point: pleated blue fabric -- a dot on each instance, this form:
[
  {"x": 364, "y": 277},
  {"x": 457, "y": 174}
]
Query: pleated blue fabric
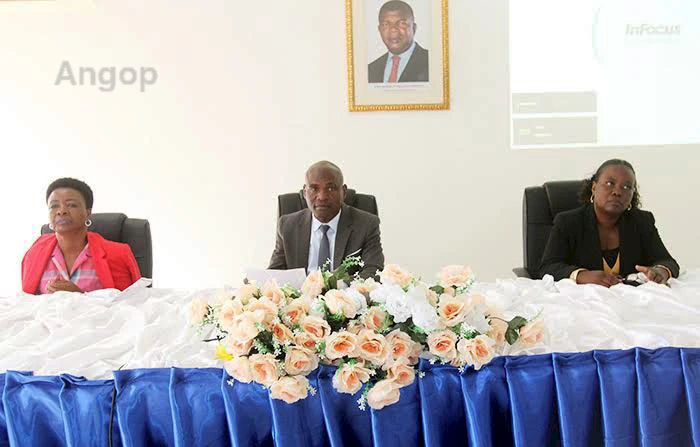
[
  {"x": 635, "y": 397},
  {"x": 85, "y": 406},
  {"x": 197, "y": 408}
]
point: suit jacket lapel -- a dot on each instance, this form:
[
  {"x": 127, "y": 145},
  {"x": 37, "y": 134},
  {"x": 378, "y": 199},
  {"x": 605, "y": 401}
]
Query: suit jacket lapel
[
  {"x": 593, "y": 253},
  {"x": 304, "y": 232},
  {"x": 627, "y": 250},
  {"x": 341, "y": 238}
]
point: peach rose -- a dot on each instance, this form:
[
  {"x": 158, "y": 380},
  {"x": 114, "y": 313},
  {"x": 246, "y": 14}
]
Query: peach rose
[
  {"x": 402, "y": 374},
  {"x": 477, "y": 351},
  {"x": 290, "y": 389},
  {"x": 443, "y": 344},
  {"x": 452, "y": 310},
  {"x": 236, "y": 348},
  {"x": 341, "y": 344},
  {"x": 316, "y": 327},
  {"x": 313, "y": 285},
  {"x": 271, "y": 291},
  {"x": 532, "y": 333},
  {"x": 246, "y": 292},
  {"x": 297, "y": 309},
  {"x": 372, "y": 346},
  {"x": 455, "y": 276},
  {"x": 449, "y": 291},
  {"x": 300, "y": 360},
  {"x": 400, "y": 344},
  {"x": 267, "y": 306},
  {"x": 282, "y": 334},
  {"x": 350, "y": 378},
  {"x": 374, "y": 318},
  {"x": 354, "y": 327},
  {"x": 366, "y": 286},
  {"x": 340, "y": 303},
  {"x": 305, "y": 340},
  {"x": 415, "y": 354},
  {"x": 197, "y": 310},
  {"x": 228, "y": 311},
  {"x": 498, "y": 330},
  {"x": 264, "y": 368},
  {"x": 383, "y": 393},
  {"x": 393, "y": 274},
  {"x": 244, "y": 327},
  {"x": 239, "y": 369}
]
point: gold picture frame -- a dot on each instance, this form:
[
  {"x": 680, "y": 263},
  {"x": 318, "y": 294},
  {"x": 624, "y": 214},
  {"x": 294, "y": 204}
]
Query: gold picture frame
[{"x": 366, "y": 92}]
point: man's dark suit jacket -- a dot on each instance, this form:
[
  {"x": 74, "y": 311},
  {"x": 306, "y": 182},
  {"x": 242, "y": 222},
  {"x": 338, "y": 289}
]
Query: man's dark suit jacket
[
  {"x": 416, "y": 69},
  {"x": 574, "y": 243},
  {"x": 357, "y": 230}
]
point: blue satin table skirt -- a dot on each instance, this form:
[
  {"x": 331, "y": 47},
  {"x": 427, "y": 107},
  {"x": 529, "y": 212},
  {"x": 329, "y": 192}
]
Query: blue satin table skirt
[{"x": 614, "y": 398}]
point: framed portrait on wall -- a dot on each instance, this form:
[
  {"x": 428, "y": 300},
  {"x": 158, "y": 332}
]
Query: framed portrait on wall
[{"x": 398, "y": 56}]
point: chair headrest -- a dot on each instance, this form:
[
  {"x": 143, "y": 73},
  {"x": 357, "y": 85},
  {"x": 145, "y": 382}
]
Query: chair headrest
[{"x": 562, "y": 195}]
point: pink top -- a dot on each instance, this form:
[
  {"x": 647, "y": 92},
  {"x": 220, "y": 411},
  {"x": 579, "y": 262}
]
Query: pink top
[{"x": 83, "y": 274}]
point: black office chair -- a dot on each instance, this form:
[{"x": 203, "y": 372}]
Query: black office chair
[
  {"x": 540, "y": 205},
  {"x": 294, "y": 201},
  {"x": 119, "y": 228}
]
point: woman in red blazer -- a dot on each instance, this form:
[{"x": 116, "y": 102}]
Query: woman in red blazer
[{"x": 73, "y": 259}]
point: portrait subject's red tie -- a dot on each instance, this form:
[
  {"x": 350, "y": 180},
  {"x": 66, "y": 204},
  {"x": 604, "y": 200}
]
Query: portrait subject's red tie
[{"x": 394, "y": 68}]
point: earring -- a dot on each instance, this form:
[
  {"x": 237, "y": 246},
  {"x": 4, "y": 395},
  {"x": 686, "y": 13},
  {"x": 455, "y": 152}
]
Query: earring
[
  {"x": 88, "y": 223},
  {"x": 591, "y": 198},
  {"x": 51, "y": 226},
  {"x": 629, "y": 208}
]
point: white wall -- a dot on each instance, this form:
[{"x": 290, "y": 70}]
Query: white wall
[{"x": 247, "y": 97}]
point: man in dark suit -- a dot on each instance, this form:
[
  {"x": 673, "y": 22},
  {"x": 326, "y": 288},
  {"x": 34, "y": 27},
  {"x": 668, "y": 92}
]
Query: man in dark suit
[
  {"x": 406, "y": 61},
  {"x": 328, "y": 231}
]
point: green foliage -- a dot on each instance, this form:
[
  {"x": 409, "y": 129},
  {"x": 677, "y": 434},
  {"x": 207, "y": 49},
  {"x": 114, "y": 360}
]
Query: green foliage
[{"x": 513, "y": 331}]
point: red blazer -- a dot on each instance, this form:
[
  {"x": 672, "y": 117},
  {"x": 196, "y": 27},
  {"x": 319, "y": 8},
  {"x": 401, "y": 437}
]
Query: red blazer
[{"x": 115, "y": 264}]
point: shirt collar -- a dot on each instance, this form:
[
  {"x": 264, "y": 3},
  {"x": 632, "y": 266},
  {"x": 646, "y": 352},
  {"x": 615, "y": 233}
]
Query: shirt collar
[{"x": 333, "y": 223}]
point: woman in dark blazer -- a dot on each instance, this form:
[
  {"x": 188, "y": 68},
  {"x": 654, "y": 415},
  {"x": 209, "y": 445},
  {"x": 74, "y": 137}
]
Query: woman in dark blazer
[{"x": 609, "y": 237}]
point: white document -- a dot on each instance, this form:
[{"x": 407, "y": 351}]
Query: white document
[{"x": 293, "y": 277}]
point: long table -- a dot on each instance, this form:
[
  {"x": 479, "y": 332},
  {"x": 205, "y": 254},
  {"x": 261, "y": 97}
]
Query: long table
[{"x": 606, "y": 374}]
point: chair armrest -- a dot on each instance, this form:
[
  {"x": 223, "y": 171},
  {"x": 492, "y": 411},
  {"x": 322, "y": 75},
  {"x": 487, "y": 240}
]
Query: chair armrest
[{"x": 521, "y": 272}]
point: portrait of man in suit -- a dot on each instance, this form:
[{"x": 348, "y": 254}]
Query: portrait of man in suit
[
  {"x": 328, "y": 231},
  {"x": 405, "y": 60}
]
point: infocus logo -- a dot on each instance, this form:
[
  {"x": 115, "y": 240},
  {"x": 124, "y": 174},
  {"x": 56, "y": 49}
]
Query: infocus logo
[
  {"x": 653, "y": 30},
  {"x": 107, "y": 77}
]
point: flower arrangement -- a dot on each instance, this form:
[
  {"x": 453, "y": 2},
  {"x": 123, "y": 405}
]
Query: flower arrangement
[{"x": 373, "y": 331}]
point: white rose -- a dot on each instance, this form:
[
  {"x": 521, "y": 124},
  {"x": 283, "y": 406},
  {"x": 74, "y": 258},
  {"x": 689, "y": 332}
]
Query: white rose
[
  {"x": 358, "y": 298},
  {"x": 477, "y": 320},
  {"x": 397, "y": 305},
  {"x": 425, "y": 317}
]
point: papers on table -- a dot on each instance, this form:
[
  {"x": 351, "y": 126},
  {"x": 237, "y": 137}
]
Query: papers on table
[{"x": 293, "y": 277}]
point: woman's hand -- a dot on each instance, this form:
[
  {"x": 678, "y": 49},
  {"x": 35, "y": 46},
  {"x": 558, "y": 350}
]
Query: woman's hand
[
  {"x": 597, "y": 277},
  {"x": 657, "y": 274},
  {"x": 61, "y": 285}
]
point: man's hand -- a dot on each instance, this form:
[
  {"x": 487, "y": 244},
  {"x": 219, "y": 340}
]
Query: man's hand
[
  {"x": 657, "y": 274},
  {"x": 597, "y": 277},
  {"x": 61, "y": 285}
]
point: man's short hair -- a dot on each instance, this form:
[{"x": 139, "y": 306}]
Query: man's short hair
[
  {"x": 396, "y": 5},
  {"x": 325, "y": 164}
]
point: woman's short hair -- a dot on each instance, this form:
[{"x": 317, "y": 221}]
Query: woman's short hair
[
  {"x": 78, "y": 185},
  {"x": 585, "y": 193}
]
